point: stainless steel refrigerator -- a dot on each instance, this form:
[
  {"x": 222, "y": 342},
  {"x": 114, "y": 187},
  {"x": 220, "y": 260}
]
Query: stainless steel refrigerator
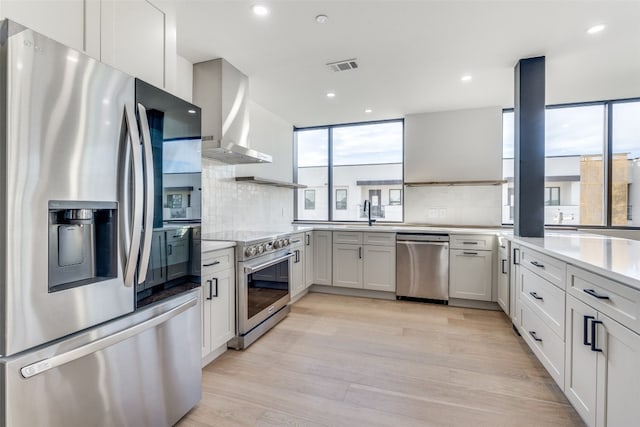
[{"x": 77, "y": 196}]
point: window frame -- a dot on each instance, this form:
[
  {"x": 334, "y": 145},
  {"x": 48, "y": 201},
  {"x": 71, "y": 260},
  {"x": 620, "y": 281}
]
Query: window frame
[
  {"x": 607, "y": 158},
  {"x": 400, "y": 201},
  {"x": 311, "y": 191},
  {"x": 346, "y": 199},
  {"x": 549, "y": 189},
  {"x": 330, "y": 166}
]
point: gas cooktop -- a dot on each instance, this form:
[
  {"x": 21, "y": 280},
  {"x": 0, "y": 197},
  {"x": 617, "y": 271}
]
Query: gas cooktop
[{"x": 246, "y": 237}]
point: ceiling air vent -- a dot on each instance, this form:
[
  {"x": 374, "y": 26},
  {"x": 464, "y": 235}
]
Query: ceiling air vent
[{"x": 346, "y": 65}]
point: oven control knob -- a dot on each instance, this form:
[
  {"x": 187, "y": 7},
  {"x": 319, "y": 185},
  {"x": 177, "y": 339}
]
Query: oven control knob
[
  {"x": 286, "y": 242},
  {"x": 260, "y": 249},
  {"x": 277, "y": 244},
  {"x": 268, "y": 246},
  {"x": 250, "y": 251}
]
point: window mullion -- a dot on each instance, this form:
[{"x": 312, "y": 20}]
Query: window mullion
[
  {"x": 608, "y": 165},
  {"x": 330, "y": 174}
]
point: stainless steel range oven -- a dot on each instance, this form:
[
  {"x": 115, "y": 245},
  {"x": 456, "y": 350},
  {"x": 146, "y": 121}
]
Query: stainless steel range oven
[{"x": 263, "y": 284}]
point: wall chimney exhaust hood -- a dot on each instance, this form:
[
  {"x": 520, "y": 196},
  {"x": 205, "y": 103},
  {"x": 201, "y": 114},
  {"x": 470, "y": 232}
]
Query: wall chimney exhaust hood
[{"x": 222, "y": 91}]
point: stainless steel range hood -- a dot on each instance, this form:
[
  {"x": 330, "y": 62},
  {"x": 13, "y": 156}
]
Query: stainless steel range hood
[{"x": 221, "y": 90}]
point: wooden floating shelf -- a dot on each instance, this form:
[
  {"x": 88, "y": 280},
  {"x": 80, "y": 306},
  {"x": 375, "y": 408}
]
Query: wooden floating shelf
[
  {"x": 456, "y": 183},
  {"x": 265, "y": 181}
]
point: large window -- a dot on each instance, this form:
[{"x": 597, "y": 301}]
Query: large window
[
  {"x": 352, "y": 164},
  {"x": 577, "y": 188}
]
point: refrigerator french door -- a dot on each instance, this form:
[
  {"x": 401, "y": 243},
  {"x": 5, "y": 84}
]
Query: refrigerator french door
[{"x": 76, "y": 227}]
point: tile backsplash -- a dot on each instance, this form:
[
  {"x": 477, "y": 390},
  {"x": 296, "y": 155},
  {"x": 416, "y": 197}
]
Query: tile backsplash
[{"x": 229, "y": 205}]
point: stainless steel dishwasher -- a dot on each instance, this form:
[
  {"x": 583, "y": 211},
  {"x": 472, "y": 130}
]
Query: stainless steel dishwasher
[{"x": 422, "y": 266}]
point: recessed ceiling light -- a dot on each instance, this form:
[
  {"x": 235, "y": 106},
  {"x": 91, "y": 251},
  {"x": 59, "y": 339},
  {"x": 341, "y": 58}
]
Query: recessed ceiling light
[
  {"x": 191, "y": 111},
  {"x": 260, "y": 10},
  {"x": 331, "y": 95},
  {"x": 596, "y": 29},
  {"x": 466, "y": 78},
  {"x": 368, "y": 110},
  {"x": 321, "y": 19}
]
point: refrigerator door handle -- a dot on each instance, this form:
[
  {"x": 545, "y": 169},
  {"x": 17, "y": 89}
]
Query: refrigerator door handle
[
  {"x": 136, "y": 230},
  {"x": 102, "y": 343},
  {"x": 148, "y": 194}
]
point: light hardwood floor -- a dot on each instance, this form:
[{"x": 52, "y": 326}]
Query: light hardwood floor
[{"x": 344, "y": 361}]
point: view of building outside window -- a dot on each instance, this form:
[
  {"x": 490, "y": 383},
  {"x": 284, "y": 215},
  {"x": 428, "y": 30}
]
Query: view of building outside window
[
  {"x": 367, "y": 165},
  {"x": 313, "y": 171},
  {"x": 626, "y": 164},
  {"x": 574, "y": 165}
]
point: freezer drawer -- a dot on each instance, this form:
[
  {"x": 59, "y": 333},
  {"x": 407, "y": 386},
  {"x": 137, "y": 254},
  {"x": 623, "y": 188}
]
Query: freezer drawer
[{"x": 139, "y": 370}]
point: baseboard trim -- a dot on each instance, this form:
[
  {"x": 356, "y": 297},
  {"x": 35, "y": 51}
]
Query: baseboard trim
[
  {"x": 469, "y": 303},
  {"x": 352, "y": 292}
]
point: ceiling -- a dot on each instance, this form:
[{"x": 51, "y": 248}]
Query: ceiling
[{"x": 412, "y": 54}]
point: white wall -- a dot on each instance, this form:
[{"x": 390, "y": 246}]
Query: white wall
[
  {"x": 453, "y": 146},
  {"x": 184, "y": 79},
  {"x": 230, "y": 205}
]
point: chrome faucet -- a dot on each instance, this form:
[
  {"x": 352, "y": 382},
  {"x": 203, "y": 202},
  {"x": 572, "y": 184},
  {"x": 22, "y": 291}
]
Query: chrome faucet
[{"x": 368, "y": 211}]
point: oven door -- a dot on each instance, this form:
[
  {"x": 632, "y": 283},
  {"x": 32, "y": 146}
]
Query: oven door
[{"x": 263, "y": 289}]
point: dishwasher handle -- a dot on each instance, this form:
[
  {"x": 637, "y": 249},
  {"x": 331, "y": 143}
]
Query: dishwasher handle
[{"x": 411, "y": 243}]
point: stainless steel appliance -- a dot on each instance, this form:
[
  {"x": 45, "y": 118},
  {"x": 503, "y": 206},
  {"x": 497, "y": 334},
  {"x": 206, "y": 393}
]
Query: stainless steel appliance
[
  {"x": 422, "y": 266},
  {"x": 75, "y": 170},
  {"x": 262, "y": 282}
]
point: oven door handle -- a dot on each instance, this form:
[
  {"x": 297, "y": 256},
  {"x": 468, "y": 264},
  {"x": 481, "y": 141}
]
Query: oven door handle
[{"x": 254, "y": 268}]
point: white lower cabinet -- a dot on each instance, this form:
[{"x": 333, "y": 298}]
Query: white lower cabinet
[
  {"x": 218, "y": 301},
  {"x": 297, "y": 263},
  {"x": 360, "y": 265},
  {"x": 322, "y": 242},
  {"x": 308, "y": 259},
  {"x": 602, "y": 367},
  {"x": 347, "y": 265},
  {"x": 470, "y": 274}
]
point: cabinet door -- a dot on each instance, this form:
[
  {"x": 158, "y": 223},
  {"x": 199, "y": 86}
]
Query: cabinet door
[
  {"x": 471, "y": 274},
  {"x": 347, "y": 265},
  {"x": 133, "y": 38},
  {"x": 580, "y": 361},
  {"x": 308, "y": 259},
  {"x": 618, "y": 374},
  {"x": 503, "y": 279},
  {"x": 177, "y": 256},
  {"x": 514, "y": 283},
  {"x": 380, "y": 268},
  {"x": 221, "y": 291},
  {"x": 322, "y": 246},
  {"x": 297, "y": 271},
  {"x": 205, "y": 317}
]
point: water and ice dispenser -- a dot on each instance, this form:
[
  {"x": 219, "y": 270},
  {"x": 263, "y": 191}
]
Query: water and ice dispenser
[{"x": 82, "y": 243}]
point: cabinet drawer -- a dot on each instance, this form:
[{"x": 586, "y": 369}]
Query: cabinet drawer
[
  {"x": 545, "y": 299},
  {"x": 297, "y": 240},
  {"x": 349, "y": 237},
  {"x": 472, "y": 241},
  {"x": 546, "y": 345},
  {"x": 380, "y": 239},
  {"x": 614, "y": 299},
  {"x": 217, "y": 261},
  {"x": 550, "y": 268}
]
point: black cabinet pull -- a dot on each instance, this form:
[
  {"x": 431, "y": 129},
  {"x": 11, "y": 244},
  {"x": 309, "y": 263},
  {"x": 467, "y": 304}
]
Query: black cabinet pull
[
  {"x": 536, "y": 296},
  {"x": 216, "y": 294},
  {"x": 308, "y": 239},
  {"x": 595, "y": 294},
  {"x": 516, "y": 256},
  {"x": 534, "y": 336},
  {"x": 469, "y": 243},
  {"x": 360, "y": 252},
  {"x": 504, "y": 266},
  {"x": 213, "y": 263},
  {"x": 210, "y": 282},
  {"x": 297, "y": 252},
  {"x": 469, "y": 253},
  {"x": 537, "y": 264},
  {"x": 585, "y": 335},
  {"x": 594, "y": 331}
]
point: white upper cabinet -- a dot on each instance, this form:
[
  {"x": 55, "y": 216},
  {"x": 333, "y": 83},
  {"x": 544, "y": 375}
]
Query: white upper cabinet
[
  {"x": 63, "y": 21},
  {"x": 133, "y": 39}
]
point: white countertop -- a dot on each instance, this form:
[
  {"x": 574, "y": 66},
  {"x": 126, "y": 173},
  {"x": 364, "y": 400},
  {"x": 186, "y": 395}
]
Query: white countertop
[
  {"x": 612, "y": 257},
  {"x": 393, "y": 228}
]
